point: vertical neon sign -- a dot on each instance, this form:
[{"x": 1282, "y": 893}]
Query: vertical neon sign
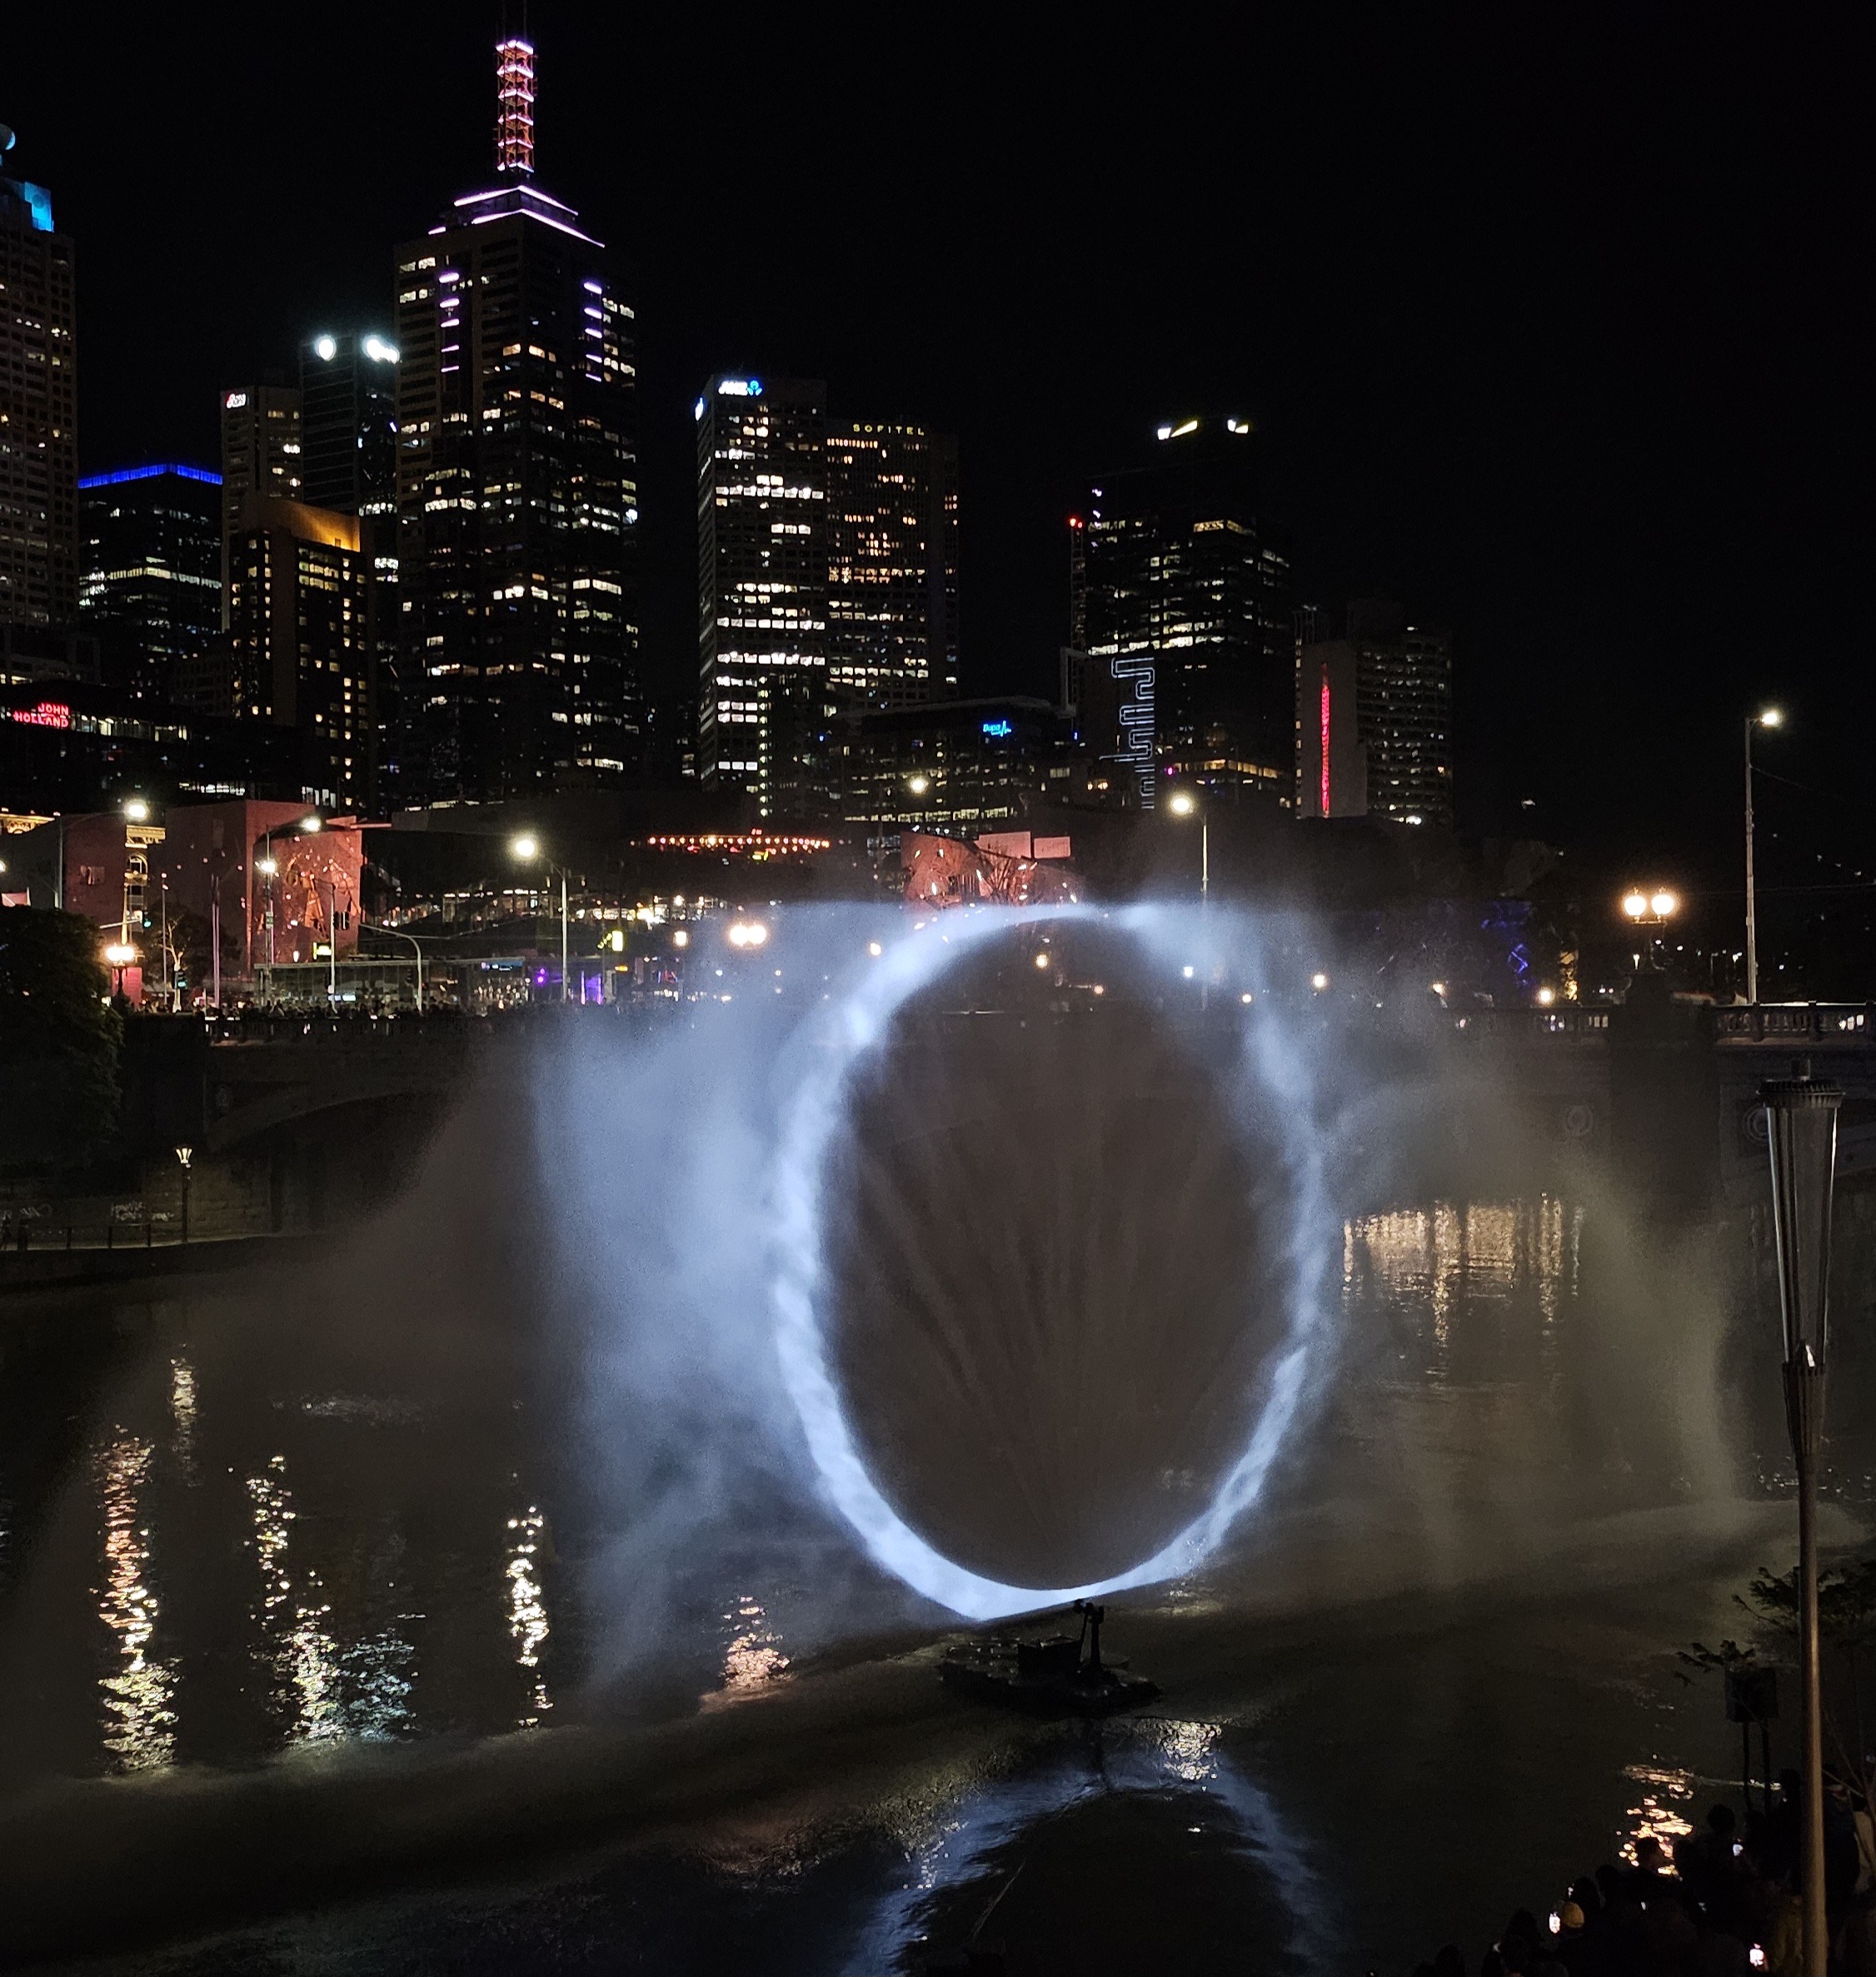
[{"x": 1325, "y": 738}]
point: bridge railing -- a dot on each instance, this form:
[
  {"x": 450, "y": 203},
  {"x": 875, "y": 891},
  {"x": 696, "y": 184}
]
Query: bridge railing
[
  {"x": 1517, "y": 1026},
  {"x": 1796, "y": 1022}
]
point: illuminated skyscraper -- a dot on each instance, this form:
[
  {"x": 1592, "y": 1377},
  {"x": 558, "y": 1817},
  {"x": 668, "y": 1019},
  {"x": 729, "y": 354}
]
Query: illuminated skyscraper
[
  {"x": 517, "y": 495},
  {"x": 152, "y": 585},
  {"x": 892, "y": 565},
  {"x": 298, "y": 646},
  {"x": 38, "y": 410},
  {"x": 261, "y": 452},
  {"x": 348, "y": 423},
  {"x": 762, "y": 565},
  {"x": 1375, "y": 720},
  {"x": 348, "y": 427},
  {"x": 1181, "y": 585}
]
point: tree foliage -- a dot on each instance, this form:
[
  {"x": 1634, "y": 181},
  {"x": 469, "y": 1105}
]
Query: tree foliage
[{"x": 58, "y": 1040}]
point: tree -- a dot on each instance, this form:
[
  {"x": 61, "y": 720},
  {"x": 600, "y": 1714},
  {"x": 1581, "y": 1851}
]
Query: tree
[
  {"x": 58, "y": 1040},
  {"x": 1847, "y": 1640}
]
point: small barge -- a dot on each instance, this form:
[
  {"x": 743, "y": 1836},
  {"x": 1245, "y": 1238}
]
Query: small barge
[{"x": 1061, "y": 1674}]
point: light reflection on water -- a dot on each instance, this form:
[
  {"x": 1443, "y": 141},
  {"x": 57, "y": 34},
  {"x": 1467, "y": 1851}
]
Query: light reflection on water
[
  {"x": 1433, "y": 1266},
  {"x": 951, "y": 1841},
  {"x": 753, "y": 1655},
  {"x": 182, "y": 1412},
  {"x": 527, "y": 1608},
  {"x": 139, "y": 1715},
  {"x": 320, "y": 1689},
  {"x": 1658, "y": 1813}
]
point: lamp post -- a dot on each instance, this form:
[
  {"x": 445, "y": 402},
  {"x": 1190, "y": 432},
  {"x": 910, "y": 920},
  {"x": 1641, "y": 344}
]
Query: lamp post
[
  {"x": 1182, "y": 803},
  {"x": 1801, "y": 1132},
  {"x": 184, "y": 1155},
  {"x": 1653, "y": 907},
  {"x": 398, "y": 934},
  {"x": 527, "y": 848},
  {"x": 1765, "y": 717},
  {"x": 268, "y": 865}
]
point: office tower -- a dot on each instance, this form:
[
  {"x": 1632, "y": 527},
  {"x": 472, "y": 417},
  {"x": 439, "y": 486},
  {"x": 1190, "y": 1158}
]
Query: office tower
[
  {"x": 517, "y": 497},
  {"x": 298, "y": 650},
  {"x": 1181, "y": 582},
  {"x": 38, "y": 409},
  {"x": 151, "y": 583},
  {"x": 892, "y": 565},
  {"x": 348, "y": 465},
  {"x": 261, "y": 452},
  {"x": 948, "y": 764},
  {"x": 348, "y": 423},
  {"x": 1374, "y": 718},
  {"x": 762, "y": 571}
]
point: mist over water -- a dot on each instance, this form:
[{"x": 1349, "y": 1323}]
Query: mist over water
[{"x": 1268, "y": 1312}]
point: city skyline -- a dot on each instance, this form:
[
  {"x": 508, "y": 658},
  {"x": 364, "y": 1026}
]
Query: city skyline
[{"x": 1543, "y": 443}]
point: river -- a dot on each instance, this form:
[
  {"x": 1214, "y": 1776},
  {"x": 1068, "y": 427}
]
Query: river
[{"x": 319, "y": 1655}]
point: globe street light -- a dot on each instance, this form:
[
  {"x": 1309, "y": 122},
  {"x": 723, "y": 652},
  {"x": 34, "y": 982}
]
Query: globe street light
[
  {"x": 1650, "y": 906},
  {"x": 526, "y": 847},
  {"x": 1765, "y": 717},
  {"x": 1801, "y": 1133},
  {"x": 1182, "y": 803}
]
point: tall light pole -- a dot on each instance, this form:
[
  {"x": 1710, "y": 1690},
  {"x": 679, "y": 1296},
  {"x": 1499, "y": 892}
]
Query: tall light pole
[
  {"x": 527, "y": 848},
  {"x": 1765, "y": 717},
  {"x": 1182, "y": 803},
  {"x": 1801, "y": 1132},
  {"x": 266, "y": 866}
]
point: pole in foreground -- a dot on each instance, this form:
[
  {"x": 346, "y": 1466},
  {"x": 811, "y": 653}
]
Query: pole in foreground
[
  {"x": 1801, "y": 1131},
  {"x": 1766, "y": 717}
]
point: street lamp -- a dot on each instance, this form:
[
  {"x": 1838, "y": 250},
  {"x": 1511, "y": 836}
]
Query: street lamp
[
  {"x": 1801, "y": 1132},
  {"x": 1765, "y": 717},
  {"x": 119, "y": 955},
  {"x": 397, "y": 933},
  {"x": 1651, "y": 907},
  {"x": 1182, "y": 803},
  {"x": 526, "y": 847},
  {"x": 184, "y": 1155}
]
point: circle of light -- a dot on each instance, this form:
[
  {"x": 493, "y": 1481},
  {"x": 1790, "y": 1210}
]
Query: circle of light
[{"x": 816, "y": 1113}]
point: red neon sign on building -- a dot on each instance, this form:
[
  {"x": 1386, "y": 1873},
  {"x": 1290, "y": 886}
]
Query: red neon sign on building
[{"x": 49, "y": 713}]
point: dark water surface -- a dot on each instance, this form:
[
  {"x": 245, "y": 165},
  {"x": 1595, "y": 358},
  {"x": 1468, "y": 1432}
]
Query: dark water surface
[{"x": 307, "y": 1663}]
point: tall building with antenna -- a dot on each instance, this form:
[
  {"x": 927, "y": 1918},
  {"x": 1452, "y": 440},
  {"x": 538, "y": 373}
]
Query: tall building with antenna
[{"x": 516, "y": 490}]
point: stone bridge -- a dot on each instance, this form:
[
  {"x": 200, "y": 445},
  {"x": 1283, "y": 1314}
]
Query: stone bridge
[{"x": 1666, "y": 1091}]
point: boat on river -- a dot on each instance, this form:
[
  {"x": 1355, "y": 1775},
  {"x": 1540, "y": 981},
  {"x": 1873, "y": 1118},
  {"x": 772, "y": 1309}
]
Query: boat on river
[{"x": 1061, "y": 1674}]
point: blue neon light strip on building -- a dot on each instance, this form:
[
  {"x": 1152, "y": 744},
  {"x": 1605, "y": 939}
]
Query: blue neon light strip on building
[
  {"x": 149, "y": 473},
  {"x": 999, "y": 728}
]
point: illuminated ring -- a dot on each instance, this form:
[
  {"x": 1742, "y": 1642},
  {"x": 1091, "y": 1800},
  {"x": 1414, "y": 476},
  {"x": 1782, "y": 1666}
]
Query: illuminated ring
[{"x": 816, "y": 1114}]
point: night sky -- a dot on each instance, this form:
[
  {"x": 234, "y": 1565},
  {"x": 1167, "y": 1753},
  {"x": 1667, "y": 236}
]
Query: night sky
[{"x": 1565, "y": 343}]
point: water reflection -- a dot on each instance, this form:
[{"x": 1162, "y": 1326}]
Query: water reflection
[
  {"x": 752, "y": 1656},
  {"x": 319, "y": 1689},
  {"x": 1657, "y": 1814},
  {"x": 527, "y": 1610},
  {"x": 182, "y": 1414},
  {"x": 954, "y": 1844},
  {"x": 138, "y": 1688},
  {"x": 1426, "y": 1263},
  {"x": 1434, "y": 1257}
]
